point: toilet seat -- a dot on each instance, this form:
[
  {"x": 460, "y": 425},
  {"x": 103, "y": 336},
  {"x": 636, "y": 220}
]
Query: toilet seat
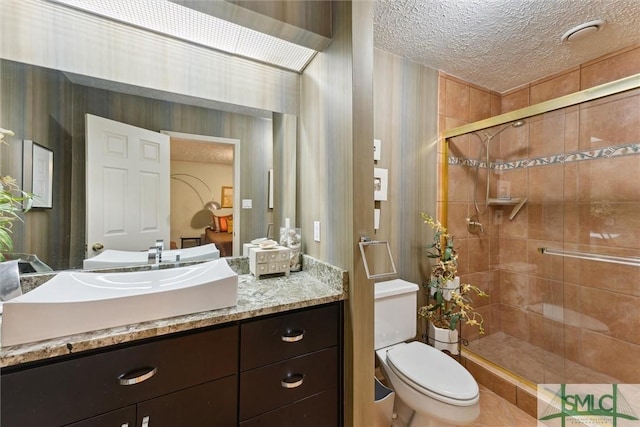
[{"x": 433, "y": 373}]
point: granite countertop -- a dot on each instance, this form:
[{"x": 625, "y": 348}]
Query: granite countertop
[{"x": 319, "y": 283}]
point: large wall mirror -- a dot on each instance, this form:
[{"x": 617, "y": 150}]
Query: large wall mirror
[{"x": 45, "y": 99}]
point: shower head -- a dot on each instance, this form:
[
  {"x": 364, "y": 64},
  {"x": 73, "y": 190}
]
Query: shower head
[{"x": 515, "y": 124}]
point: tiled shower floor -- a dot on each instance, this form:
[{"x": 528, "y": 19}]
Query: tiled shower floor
[{"x": 533, "y": 363}]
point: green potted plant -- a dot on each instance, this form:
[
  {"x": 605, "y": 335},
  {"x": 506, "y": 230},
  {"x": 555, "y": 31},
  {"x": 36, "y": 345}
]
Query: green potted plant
[
  {"x": 448, "y": 301},
  {"x": 11, "y": 199}
]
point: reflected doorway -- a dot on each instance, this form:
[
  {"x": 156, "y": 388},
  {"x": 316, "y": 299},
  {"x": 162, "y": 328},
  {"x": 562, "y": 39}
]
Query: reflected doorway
[{"x": 204, "y": 168}]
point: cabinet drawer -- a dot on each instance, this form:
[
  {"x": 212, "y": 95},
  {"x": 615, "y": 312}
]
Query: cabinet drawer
[
  {"x": 213, "y": 404},
  {"x": 320, "y": 410},
  {"x": 276, "y": 338},
  {"x": 272, "y": 386},
  {"x": 63, "y": 392},
  {"x": 122, "y": 417}
]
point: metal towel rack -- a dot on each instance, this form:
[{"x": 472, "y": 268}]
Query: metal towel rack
[{"x": 634, "y": 261}]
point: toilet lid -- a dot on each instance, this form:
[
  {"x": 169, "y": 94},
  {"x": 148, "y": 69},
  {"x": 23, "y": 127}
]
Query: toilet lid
[{"x": 433, "y": 373}]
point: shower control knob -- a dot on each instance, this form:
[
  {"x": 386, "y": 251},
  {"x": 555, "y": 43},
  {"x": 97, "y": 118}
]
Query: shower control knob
[{"x": 473, "y": 225}]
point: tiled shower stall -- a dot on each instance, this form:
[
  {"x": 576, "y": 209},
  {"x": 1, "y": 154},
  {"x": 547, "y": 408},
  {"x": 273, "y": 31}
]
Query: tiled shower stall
[{"x": 576, "y": 170}]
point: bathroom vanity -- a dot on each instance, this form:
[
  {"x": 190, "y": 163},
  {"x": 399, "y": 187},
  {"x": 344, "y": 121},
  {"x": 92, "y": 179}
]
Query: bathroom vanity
[{"x": 273, "y": 360}]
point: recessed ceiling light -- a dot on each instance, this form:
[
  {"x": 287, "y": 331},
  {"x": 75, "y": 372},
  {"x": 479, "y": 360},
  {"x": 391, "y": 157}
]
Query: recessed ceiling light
[
  {"x": 581, "y": 31},
  {"x": 164, "y": 17}
]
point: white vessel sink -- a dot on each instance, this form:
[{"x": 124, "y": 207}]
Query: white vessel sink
[
  {"x": 76, "y": 302},
  {"x": 114, "y": 258}
]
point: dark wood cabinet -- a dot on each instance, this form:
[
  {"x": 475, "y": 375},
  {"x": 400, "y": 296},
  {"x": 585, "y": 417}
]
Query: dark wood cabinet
[
  {"x": 121, "y": 417},
  {"x": 316, "y": 411},
  {"x": 81, "y": 387},
  {"x": 210, "y": 404},
  {"x": 279, "y": 370},
  {"x": 290, "y": 367}
]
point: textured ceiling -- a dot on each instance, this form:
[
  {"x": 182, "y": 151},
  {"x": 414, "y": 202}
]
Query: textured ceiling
[
  {"x": 185, "y": 150},
  {"x": 502, "y": 44}
]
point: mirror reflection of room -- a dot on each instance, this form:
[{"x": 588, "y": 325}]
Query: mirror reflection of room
[{"x": 200, "y": 174}]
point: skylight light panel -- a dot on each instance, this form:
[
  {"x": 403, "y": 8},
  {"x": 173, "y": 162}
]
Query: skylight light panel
[{"x": 164, "y": 17}]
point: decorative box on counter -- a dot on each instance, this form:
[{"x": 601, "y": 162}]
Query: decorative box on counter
[{"x": 271, "y": 260}]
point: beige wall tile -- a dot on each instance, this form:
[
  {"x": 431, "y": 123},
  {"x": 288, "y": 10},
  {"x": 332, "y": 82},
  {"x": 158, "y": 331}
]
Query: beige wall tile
[
  {"x": 547, "y": 136},
  {"x": 547, "y": 334},
  {"x": 613, "y": 356},
  {"x": 457, "y": 100},
  {"x": 460, "y": 146},
  {"x": 545, "y": 184},
  {"x": 573, "y": 343},
  {"x": 547, "y": 291},
  {"x": 571, "y": 222},
  {"x": 514, "y": 143},
  {"x": 611, "y": 121},
  {"x": 515, "y": 100},
  {"x": 494, "y": 383},
  {"x": 544, "y": 266},
  {"x": 514, "y": 182},
  {"x": 546, "y": 221},
  {"x": 570, "y": 184},
  {"x": 479, "y": 254},
  {"x": 479, "y": 104},
  {"x": 622, "y": 279},
  {"x": 607, "y": 181},
  {"x": 515, "y": 322},
  {"x": 460, "y": 184},
  {"x": 496, "y": 104},
  {"x": 610, "y": 69},
  {"x": 571, "y": 130},
  {"x": 618, "y": 312},
  {"x": 528, "y": 403},
  {"x": 563, "y": 84},
  {"x": 463, "y": 256},
  {"x": 514, "y": 289},
  {"x": 513, "y": 255}
]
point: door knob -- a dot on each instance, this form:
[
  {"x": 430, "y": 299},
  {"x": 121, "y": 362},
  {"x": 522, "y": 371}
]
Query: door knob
[{"x": 97, "y": 247}]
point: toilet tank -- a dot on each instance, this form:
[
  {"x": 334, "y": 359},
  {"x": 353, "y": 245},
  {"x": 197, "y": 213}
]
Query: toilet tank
[{"x": 395, "y": 312}]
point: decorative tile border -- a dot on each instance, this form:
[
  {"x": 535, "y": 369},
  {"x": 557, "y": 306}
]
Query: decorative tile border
[{"x": 575, "y": 156}]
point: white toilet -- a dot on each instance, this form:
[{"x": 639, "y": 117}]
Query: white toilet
[{"x": 437, "y": 390}]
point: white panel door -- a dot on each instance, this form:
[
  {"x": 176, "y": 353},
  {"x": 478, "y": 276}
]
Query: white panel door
[{"x": 127, "y": 186}]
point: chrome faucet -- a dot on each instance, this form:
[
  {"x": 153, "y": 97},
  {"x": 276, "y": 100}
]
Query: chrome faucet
[
  {"x": 153, "y": 257},
  {"x": 160, "y": 247}
]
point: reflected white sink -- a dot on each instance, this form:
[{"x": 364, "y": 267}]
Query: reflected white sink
[
  {"x": 114, "y": 258},
  {"x": 75, "y": 302}
]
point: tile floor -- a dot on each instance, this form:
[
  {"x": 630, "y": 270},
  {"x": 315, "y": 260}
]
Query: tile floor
[
  {"x": 533, "y": 363},
  {"x": 494, "y": 412},
  {"x": 498, "y": 412}
]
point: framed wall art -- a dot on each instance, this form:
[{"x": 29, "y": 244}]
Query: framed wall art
[
  {"x": 37, "y": 163},
  {"x": 227, "y": 197}
]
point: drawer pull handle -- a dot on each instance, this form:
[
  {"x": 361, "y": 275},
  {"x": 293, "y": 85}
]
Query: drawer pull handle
[
  {"x": 293, "y": 336},
  {"x": 137, "y": 376},
  {"x": 292, "y": 381}
]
